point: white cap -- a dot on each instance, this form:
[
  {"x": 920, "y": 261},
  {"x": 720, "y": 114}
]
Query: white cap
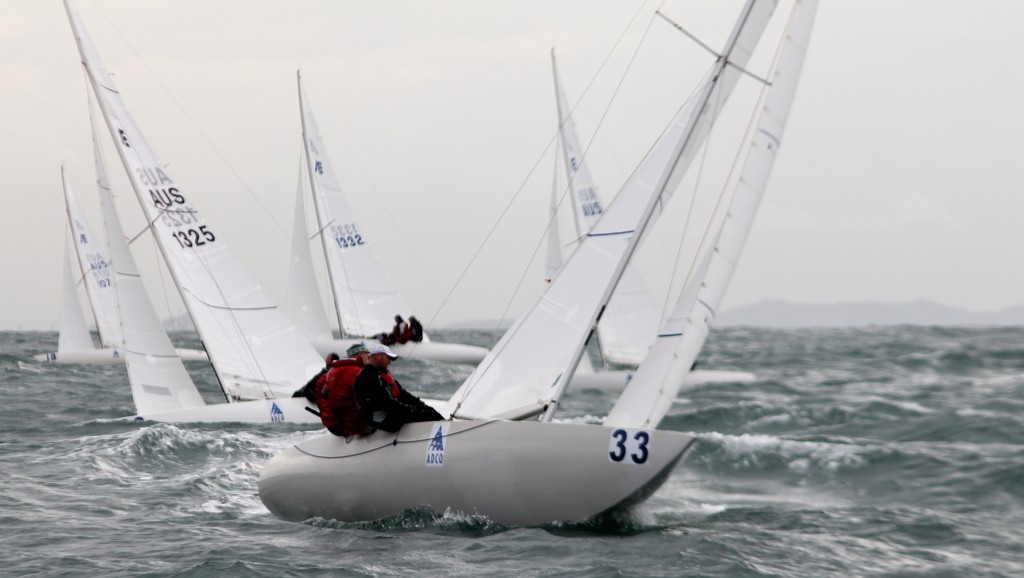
[{"x": 381, "y": 348}]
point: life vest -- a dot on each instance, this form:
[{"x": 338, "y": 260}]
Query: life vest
[
  {"x": 390, "y": 380},
  {"x": 338, "y": 407}
]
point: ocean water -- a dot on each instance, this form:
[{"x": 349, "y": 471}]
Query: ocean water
[{"x": 880, "y": 451}]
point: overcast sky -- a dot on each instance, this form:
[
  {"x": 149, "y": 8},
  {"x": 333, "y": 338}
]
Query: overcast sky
[{"x": 898, "y": 179}]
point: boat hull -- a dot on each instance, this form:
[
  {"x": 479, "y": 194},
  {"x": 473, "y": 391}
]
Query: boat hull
[
  {"x": 513, "y": 472},
  {"x": 435, "y": 351},
  {"x": 285, "y": 410},
  {"x": 615, "y": 381},
  {"x": 107, "y": 356}
]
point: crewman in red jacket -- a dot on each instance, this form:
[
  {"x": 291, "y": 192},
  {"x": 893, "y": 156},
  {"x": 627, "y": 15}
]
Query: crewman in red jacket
[{"x": 339, "y": 411}]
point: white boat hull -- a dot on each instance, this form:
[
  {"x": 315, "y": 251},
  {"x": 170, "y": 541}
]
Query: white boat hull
[
  {"x": 513, "y": 472},
  {"x": 283, "y": 410},
  {"x": 107, "y": 356},
  {"x": 434, "y": 351},
  {"x": 615, "y": 381}
]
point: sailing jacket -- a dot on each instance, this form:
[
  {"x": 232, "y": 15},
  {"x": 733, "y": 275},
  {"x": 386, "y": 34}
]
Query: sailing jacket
[
  {"x": 339, "y": 410},
  {"x": 385, "y": 404}
]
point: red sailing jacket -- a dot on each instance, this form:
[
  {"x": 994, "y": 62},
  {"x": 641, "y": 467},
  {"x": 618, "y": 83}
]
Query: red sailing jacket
[{"x": 338, "y": 406}]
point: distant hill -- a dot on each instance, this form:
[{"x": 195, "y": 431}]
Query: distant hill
[{"x": 776, "y": 313}]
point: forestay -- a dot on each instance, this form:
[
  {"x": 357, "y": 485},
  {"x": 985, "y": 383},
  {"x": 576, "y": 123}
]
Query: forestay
[
  {"x": 365, "y": 297},
  {"x": 254, "y": 349},
  {"x": 649, "y": 395},
  {"x": 631, "y": 317},
  {"x": 525, "y": 373},
  {"x": 95, "y": 270}
]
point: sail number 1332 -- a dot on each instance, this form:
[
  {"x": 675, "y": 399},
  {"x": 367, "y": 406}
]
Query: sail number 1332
[{"x": 634, "y": 444}]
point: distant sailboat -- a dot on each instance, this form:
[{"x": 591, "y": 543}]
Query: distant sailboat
[
  {"x": 516, "y": 472},
  {"x": 94, "y": 267},
  {"x": 256, "y": 352},
  {"x": 365, "y": 298}
]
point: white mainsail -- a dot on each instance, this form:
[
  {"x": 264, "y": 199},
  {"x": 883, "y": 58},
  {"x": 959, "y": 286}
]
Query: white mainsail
[
  {"x": 95, "y": 269},
  {"x": 529, "y": 368},
  {"x": 304, "y": 305},
  {"x": 255, "y": 350},
  {"x": 649, "y": 395},
  {"x": 631, "y": 317},
  {"x": 365, "y": 298},
  {"x": 73, "y": 334}
]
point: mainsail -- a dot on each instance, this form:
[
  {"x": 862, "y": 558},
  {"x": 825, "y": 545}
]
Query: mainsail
[
  {"x": 365, "y": 298},
  {"x": 649, "y": 395},
  {"x": 529, "y": 368},
  {"x": 255, "y": 350}
]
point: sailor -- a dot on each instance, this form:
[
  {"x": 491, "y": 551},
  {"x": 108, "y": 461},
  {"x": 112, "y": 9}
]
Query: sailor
[
  {"x": 311, "y": 390},
  {"x": 415, "y": 330},
  {"x": 382, "y": 400},
  {"x": 339, "y": 411},
  {"x": 400, "y": 333}
]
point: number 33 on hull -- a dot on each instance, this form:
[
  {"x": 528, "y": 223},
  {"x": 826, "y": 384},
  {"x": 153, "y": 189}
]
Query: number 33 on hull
[{"x": 513, "y": 472}]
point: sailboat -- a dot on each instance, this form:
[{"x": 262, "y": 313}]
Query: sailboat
[
  {"x": 256, "y": 352},
  {"x": 94, "y": 267},
  {"x": 487, "y": 460},
  {"x": 632, "y": 317},
  {"x": 365, "y": 298}
]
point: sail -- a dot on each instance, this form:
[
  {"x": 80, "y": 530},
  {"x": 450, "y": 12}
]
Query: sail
[
  {"x": 650, "y": 393},
  {"x": 95, "y": 270},
  {"x": 158, "y": 378},
  {"x": 304, "y": 306},
  {"x": 526, "y": 372},
  {"x": 255, "y": 350},
  {"x": 364, "y": 295},
  {"x": 73, "y": 334},
  {"x": 631, "y": 317}
]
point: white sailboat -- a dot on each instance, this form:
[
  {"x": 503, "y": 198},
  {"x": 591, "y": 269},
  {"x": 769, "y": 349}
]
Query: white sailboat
[
  {"x": 632, "y": 317},
  {"x": 517, "y": 472},
  {"x": 161, "y": 386},
  {"x": 365, "y": 298},
  {"x": 94, "y": 267},
  {"x": 256, "y": 352},
  {"x": 649, "y": 395}
]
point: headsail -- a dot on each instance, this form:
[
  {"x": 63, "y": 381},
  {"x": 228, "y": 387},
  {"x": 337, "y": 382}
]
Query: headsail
[
  {"x": 255, "y": 350},
  {"x": 650, "y": 394},
  {"x": 95, "y": 268},
  {"x": 73, "y": 334},
  {"x": 631, "y": 317},
  {"x": 365, "y": 297},
  {"x": 527, "y": 371},
  {"x": 157, "y": 376},
  {"x": 304, "y": 306}
]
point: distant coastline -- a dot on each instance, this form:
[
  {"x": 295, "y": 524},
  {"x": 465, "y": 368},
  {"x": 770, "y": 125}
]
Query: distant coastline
[{"x": 779, "y": 313}]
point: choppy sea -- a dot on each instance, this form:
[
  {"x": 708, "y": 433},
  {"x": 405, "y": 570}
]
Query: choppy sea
[{"x": 879, "y": 451}]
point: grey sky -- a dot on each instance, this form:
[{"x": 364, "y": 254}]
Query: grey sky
[{"x": 898, "y": 177}]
